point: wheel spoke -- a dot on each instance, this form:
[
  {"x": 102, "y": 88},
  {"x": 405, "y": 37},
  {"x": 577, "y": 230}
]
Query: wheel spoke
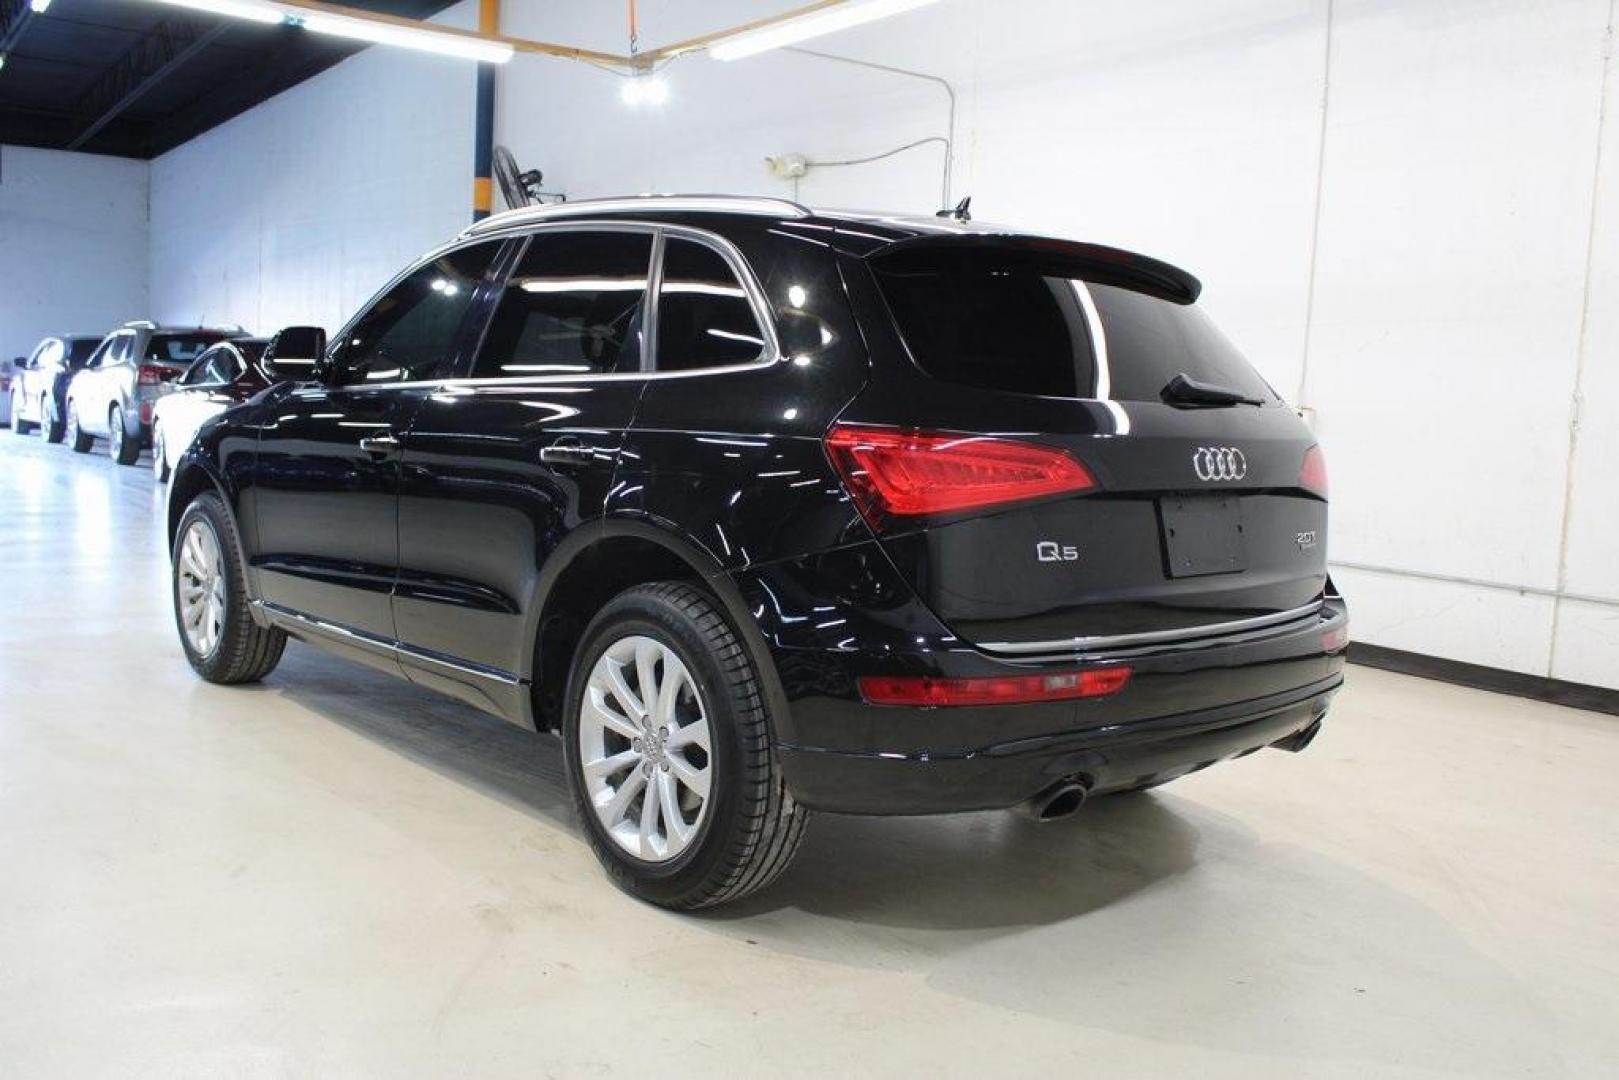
[
  {"x": 649, "y": 821},
  {"x": 694, "y": 778},
  {"x": 596, "y": 710},
  {"x": 627, "y": 698},
  {"x": 692, "y": 734},
  {"x": 674, "y": 825},
  {"x": 619, "y": 804},
  {"x": 674, "y": 680},
  {"x": 606, "y": 767},
  {"x": 646, "y": 674}
]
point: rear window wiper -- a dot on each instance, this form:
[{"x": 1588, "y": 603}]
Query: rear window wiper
[{"x": 1185, "y": 390}]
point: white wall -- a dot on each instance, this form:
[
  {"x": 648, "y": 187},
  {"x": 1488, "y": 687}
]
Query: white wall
[
  {"x": 1423, "y": 248},
  {"x": 73, "y": 239},
  {"x": 300, "y": 209}
]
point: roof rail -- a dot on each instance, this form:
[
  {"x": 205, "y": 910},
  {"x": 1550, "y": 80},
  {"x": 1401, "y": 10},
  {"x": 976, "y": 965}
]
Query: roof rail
[
  {"x": 139, "y": 324},
  {"x": 699, "y": 204}
]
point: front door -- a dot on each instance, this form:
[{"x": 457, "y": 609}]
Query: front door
[
  {"x": 500, "y": 467},
  {"x": 326, "y": 479}
]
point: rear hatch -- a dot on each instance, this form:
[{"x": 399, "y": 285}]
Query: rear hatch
[
  {"x": 1072, "y": 458},
  {"x": 168, "y": 355}
]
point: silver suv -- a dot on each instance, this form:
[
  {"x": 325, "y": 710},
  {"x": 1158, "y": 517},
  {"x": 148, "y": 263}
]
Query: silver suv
[{"x": 133, "y": 366}]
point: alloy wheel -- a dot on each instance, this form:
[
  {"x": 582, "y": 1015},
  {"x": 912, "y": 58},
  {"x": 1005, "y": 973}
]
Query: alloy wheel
[
  {"x": 644, "y": 748},
  {"x": 201, "y": 584},
  {"x": 158, "y": 458},
  {"x": 115, "y": 432}
]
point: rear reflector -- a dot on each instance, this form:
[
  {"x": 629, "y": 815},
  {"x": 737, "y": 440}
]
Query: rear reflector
[
  {"x": 1334, "y": 640},
  {"x": 1313, "y": 473},
  {"x": 927, "y": 691},
  {"x": 893, "y": 473}
]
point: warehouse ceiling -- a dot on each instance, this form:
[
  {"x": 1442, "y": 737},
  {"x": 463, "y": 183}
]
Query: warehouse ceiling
[{"x": 137, "y": 79}]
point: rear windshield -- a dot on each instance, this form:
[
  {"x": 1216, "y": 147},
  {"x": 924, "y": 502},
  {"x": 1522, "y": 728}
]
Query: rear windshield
[
  {"x": 971, "y": 321},
  {"x": 79, "y": 350},
  {"x": 178, "y": 348}
]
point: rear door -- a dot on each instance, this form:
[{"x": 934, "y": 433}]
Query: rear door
[
  {"x": 1185, "y": 518},
  {"x": 327, "y": 474},
  {"x": 503, "y": 465}
]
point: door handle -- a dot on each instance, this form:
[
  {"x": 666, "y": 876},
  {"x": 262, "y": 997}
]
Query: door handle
[
  {"x": 380, "y": 445},
  {"x": 568, "y": 451}
]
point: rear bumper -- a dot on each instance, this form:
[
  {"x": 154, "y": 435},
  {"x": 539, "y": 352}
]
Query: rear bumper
[
  {"x": 1004, "y": 774},
  {"x": 1187, "y": 705}
]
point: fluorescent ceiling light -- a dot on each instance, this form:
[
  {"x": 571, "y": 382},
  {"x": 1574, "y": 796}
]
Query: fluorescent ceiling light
[
  {"x": 644, "y": 90},
  {"x": 236, "y": 9},
  {"x": 38, "y": 6},
  {"x": 792, "y": 31},
  {"x": 409, "y": 37}
]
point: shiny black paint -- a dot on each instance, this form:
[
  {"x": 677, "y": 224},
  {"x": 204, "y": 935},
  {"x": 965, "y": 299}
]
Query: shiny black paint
[{"x": 439, "y": 559}]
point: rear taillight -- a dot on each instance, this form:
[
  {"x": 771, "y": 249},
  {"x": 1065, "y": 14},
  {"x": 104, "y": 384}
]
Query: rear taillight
[
  {"x": 1335, "y": 640},
  {"x": 929, "y": 692},
  {"x": 149, "y": 375},
  {"x": 895, "y": 473},
  {"x": 1313, "y": 473}
]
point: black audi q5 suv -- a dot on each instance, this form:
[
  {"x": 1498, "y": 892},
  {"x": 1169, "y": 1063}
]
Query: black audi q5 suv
[{"x": 767, "y": 510}]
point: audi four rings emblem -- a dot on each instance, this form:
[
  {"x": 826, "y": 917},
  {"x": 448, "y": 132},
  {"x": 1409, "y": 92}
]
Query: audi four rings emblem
[{"x": 1213, "y": 463}]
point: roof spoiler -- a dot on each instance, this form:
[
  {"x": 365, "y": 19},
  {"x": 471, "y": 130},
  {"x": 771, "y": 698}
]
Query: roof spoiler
[{"x": 1089, "y": 262}]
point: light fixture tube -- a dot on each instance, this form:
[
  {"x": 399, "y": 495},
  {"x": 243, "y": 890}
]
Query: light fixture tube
[
  {"x": 492, "y": 52},
  {"x": 236, "y": 9},
  {"x": 792, "y": 31}
]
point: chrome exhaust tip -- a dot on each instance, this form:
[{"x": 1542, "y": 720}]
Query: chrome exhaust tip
[{"x": 1060, "y": 800}]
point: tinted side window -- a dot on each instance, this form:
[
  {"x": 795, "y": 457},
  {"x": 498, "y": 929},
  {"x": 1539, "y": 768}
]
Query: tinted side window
[
  {"x": 704, "y": 317},
  {"x": 409, "y": 332},
  {"x": 178, "y": 348},
  {"x": 574, "y": 306},
  {"x": 81, "y": 352}
]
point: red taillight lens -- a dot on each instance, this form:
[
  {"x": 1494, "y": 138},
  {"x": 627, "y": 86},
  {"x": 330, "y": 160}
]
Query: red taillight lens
[
  {"x": 149, "y": 375},
  {"x": 926, "y": 691},
  {"x": 1334, "y": 640},
  {"x": 1313, "y": 473},
  {"x": 894, "y": 473}
]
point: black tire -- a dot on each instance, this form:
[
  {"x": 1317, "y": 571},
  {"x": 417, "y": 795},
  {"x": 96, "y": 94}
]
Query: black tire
[
  {"x": 80, "y": 440},
  {"x": 160, "y": 460},
  {"x": 19, "y": 426},
  {"x": 245, "y": 652},
  {"x": 126, "y": 448},
  {"x": 751, "y": 826},
  {"x": 51, "y": 427}
]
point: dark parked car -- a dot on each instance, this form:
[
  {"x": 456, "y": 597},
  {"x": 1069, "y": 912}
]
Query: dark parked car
[
  {"x": 112, "y": 397},
  {"x": 226, "y": 374},
  {"x": 39, "y": 385},
  {"x": 768, "y": 510}
]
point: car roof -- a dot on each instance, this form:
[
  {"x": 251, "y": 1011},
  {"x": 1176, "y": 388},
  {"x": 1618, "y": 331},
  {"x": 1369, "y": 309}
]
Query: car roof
[{"x": 156, "y": 328}]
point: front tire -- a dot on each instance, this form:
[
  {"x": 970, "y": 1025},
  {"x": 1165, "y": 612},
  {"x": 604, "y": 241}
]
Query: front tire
[
  {"x": 124, "y": 448},
  {"x": 51, "y": 427},
  {"x": 19, "y": 426},
  {"x": 81, "y": 440},
  {"x": 669, "y": 754},
  {"x": 221, "y": 640},
  {"x": 160, "y": 457}
]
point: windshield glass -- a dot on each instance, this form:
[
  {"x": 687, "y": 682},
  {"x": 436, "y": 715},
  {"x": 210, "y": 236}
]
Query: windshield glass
[{"x": 178, "y": 348}]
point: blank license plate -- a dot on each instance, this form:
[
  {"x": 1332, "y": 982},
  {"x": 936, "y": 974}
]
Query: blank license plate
[{"x": 1202, "y": 535}]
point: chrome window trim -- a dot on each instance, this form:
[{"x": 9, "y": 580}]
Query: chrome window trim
[
  {"x": 711, "y": 204},
  {"x": 769, "y": 356},
  {"x": 1104, "y": 642}
]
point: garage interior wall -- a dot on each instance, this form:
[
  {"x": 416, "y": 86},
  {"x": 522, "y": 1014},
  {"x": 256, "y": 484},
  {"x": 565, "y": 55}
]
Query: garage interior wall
[
  {"x": 298, "y": 210},
  {"x": 73, "y": 242},
  {"x": 1404, "y": 214}
]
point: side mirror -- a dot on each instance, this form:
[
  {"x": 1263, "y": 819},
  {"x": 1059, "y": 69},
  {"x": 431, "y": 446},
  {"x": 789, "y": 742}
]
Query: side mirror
[
  {"x": 801, "y": 333},
  {"x": 296, "y": 354}
]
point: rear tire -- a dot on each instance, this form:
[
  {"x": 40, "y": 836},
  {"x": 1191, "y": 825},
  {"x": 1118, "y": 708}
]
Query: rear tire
[
  {"x": 221, "y": 641},
  {"x": 125, "y": 449},
  {"x": 19, "y": 426},
  {"x": 51, "y": 426},
  {"x": 81, "y": 440},
  {"x": 747, "y": 827}
]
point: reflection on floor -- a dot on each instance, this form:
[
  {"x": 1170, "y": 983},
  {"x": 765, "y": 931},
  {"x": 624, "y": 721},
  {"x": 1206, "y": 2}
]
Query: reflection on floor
[{"x": 338, "y": 873}]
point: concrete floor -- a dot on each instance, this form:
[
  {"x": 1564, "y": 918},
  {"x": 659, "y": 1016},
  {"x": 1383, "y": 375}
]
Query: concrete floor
[{"x": 336, "y": 873}]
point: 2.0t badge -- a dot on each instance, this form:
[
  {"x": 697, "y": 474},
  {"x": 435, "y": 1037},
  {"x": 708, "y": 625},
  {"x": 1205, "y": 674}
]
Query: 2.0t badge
[{"x": 1212, "y": 463}]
